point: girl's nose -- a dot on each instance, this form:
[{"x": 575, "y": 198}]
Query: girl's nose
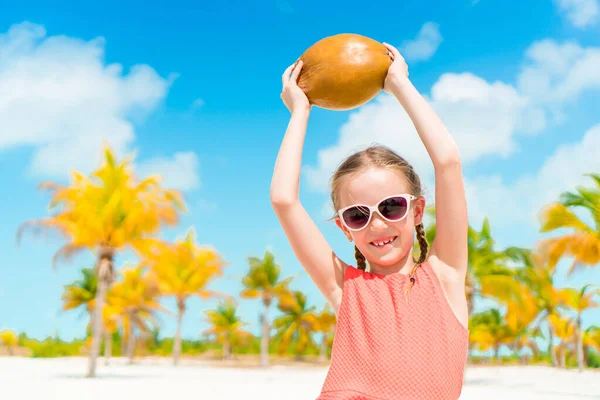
[{"x": 378, "y": 222}]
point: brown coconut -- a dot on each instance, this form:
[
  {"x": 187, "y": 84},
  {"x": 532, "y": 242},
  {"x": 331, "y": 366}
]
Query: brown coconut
[{"x": 344, "y": 71}]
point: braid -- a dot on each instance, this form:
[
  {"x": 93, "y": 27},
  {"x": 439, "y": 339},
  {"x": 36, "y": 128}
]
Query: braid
[
  {"x": 361, "y": 262},
  {"x": 423, "y": 245},
  {"x": 423, "y": 248}
]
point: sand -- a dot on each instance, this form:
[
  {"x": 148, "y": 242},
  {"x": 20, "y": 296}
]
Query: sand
[{"x": 150, "y": 379}]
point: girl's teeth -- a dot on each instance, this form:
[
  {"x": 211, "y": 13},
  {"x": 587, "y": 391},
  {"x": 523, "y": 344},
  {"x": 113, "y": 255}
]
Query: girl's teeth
[{"x": 383, "y": 243}]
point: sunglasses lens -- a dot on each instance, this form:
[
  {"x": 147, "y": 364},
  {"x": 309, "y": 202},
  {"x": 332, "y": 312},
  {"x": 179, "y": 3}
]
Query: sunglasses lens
[
  {"x": 393, "y": 208},
  {"x": 356, "y": 217}
]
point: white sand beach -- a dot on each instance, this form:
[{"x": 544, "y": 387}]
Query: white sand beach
[{"x": 150, "y": 379}]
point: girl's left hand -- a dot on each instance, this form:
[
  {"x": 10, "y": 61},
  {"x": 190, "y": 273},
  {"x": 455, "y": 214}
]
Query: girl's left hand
[{"x": 397, "y": 72}]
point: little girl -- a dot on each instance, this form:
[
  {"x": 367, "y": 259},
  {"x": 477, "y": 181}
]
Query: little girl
[{"x": 402, "y": 325}]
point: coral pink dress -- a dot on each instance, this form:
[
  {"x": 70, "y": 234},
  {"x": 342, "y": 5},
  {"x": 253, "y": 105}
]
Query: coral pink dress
[{"x": 386, "y": 348}]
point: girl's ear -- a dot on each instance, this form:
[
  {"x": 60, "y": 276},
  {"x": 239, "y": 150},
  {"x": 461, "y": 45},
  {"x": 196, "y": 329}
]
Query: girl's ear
[
  {"x": 343, "y": 228},
  {"x": 419, "y": 209}
]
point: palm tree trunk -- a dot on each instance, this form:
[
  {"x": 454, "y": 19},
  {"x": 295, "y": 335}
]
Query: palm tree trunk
[
  {"x": 323, "y": 351},
  {"x": 585, "y": 355},
  {"x": 579, "y": 344},
  {"x": 517, "y": 348},
  {"x": 496, "y": 353},
  {"x": 104, "y": 271},
  {"x": 535, "y": 351},
  {"x": 131, "y": 342},
  {"x": 177, "y": 341},
  {"x": 123, "y": 342},
  {"x": 264, "y": 342},
  {"x": 227, "y": 348},
  {"x": 551, "y": 347},
  {"x": 107, "y": 346}
]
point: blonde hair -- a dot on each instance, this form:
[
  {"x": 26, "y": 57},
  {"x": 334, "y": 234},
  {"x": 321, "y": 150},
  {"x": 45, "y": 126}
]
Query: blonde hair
[{"x": 381, "y": 157}]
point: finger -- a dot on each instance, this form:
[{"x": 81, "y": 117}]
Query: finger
[
  {"x": 296, "y": 72},
  {"x": 286, "y": 75},
  {"x": 394, "y": 50}
]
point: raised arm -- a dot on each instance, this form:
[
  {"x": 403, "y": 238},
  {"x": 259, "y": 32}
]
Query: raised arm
[
  {"x": 308, "y": 243},
  {"x": 450, "y": 243}
]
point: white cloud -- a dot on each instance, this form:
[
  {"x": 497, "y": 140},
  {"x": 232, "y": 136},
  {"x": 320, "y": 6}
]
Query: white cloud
[
  {"x": 424, "y": 46},
  {"x": 180, "y": 172},
  {"x": 559, "y": 72},
  {"x": 481, "y": 115},
  {"x": 553, "y": 75},
  {"x": 519, "y": 202},
  {"x": 581, "y": 13},
  {"x": 59, "y": 97}
]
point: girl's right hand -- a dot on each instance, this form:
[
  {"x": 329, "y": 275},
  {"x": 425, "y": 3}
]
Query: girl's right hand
[{"x": 293, "y": 97}]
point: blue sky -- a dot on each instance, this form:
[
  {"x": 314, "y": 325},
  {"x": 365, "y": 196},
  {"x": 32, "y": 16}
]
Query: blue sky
[{"x": 194, "y": 87}]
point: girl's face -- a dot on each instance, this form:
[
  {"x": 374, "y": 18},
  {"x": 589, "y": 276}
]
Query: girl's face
[{"x": 369, "y": 187}]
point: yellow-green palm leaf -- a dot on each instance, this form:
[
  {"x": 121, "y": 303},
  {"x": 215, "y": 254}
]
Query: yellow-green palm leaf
[
  {"x": 579, "y": 300},
  {"x": 563, "y": 327},
  {"x": 110, "y": 208},
  {"x": 184, "y": 268},
  {"x": 134, "y": 300},
  {"x": 591, "y": 337},
  {"x": 82, "y": 292},
  {"x": 326, "y": 320},
  {"x": 8, "y": 338},
  {"x": 263, "y": 279},
  {"x": 226, "y": 325},
  {"x": 583, "y": 243},
  {"x": 297, "y": 324}
]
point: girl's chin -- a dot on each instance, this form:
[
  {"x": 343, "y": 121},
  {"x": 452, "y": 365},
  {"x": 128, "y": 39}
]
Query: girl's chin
[{"x": 386, "y": 260}]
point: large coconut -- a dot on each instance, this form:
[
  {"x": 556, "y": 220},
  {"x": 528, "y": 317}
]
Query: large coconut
[{"x": 343, "y": 71}]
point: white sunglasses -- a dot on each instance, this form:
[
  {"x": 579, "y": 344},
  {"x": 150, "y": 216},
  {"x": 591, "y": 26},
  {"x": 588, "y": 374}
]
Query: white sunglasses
[{"x": 393, "y": 209}]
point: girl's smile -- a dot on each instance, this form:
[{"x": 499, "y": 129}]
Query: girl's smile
[{"x": 384, "y": 242}]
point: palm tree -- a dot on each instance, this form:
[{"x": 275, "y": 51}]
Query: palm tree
[
  {"x": 564, "y": 329},
  {"x": 490, "y": 331},
  {"x": 106, "y": 212},
  {"x": 82, "y": 293},
  {"x": 526, "y": 338},
  {"x": 521, "y": 312},
  {"x": 591, "y": 339},
  {"x": 296, "y": 325},
  {"x": 226, "y": 326},
  {"x": 579, "y": 301},
  {"x": 326, "y": 325},
  {"x": 182, "y": 269},
  {"x": 262, "y": 281},
  {"x": 583, "y": 243},
  {"x": 536, "y": 282},
  {"x": 486, "y": 265},
  {"x": 10, "y": 340},
  {"x": 133, "y": 301}
]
